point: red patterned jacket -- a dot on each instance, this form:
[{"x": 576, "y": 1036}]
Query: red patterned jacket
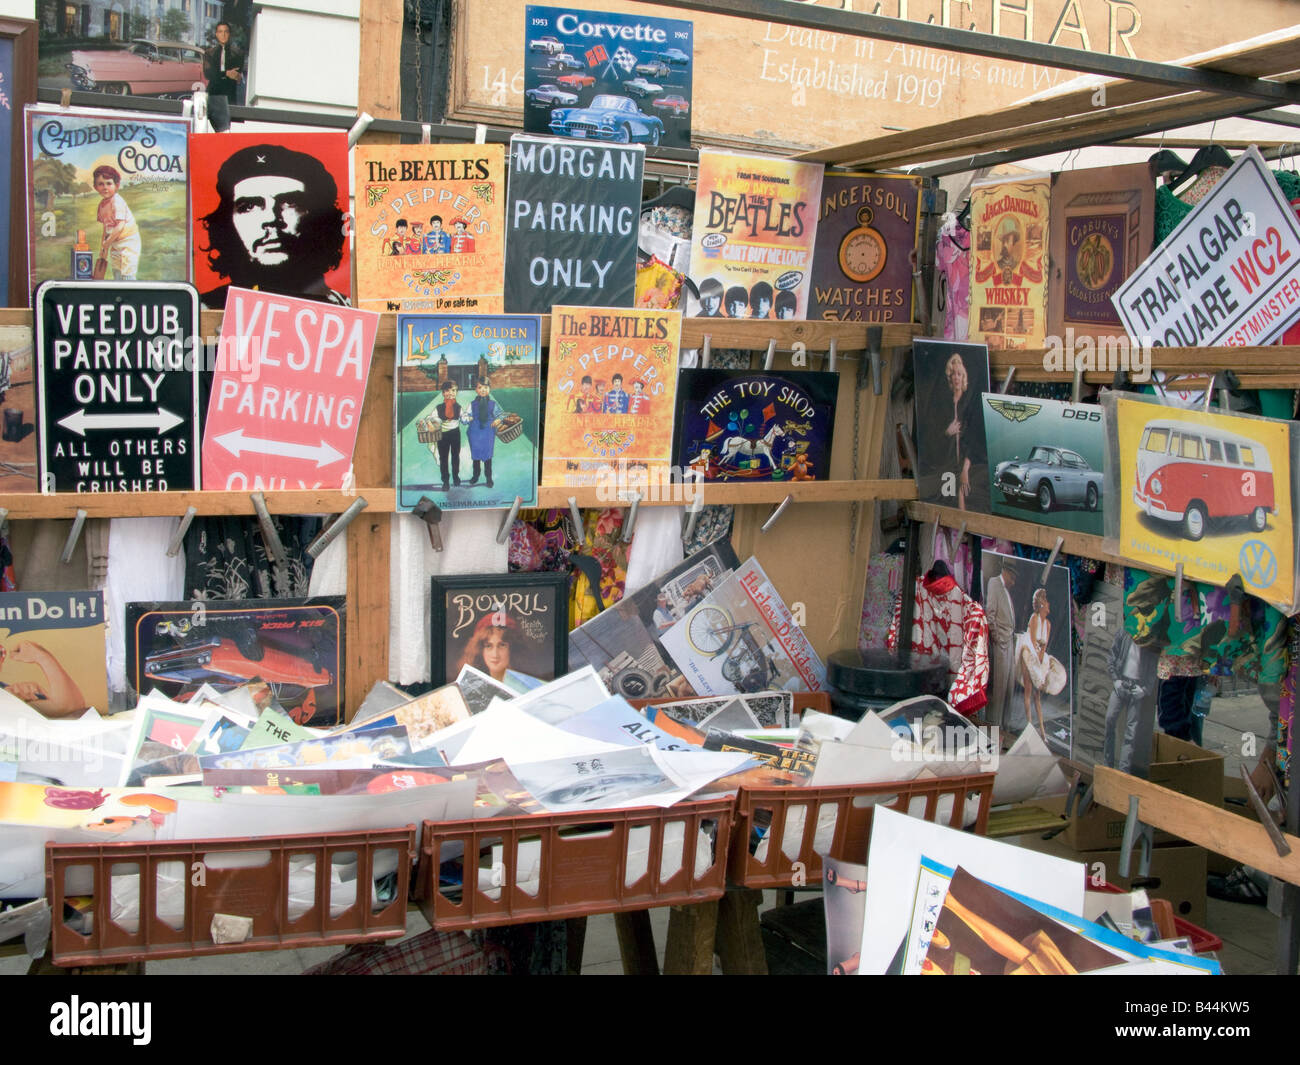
[{"x": 949, "y": 623}]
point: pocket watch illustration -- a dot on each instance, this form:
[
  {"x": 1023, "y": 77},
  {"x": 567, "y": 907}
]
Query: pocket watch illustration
[{"x": 862, "y": 251}]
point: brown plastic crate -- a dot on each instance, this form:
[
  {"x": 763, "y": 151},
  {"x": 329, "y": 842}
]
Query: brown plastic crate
[
  {"x": 260, "y": 892},
  {"x": 582, "y": 863},
  {"x": 854, "y": 805}
]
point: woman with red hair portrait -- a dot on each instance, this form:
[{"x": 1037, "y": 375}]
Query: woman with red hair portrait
[{"x": 494, "y": 638}]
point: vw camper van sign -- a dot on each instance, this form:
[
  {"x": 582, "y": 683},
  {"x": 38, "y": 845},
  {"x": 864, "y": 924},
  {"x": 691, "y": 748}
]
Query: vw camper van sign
[{"x": 1211, "y": 492}]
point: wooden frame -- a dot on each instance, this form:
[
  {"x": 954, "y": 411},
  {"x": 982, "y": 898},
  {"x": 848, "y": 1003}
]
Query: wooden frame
[
  {"x": 474, "y": 614},
  {"x": 18, "y": 36}
]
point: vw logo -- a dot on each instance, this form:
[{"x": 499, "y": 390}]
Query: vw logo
[{"x": 1257, "y": 563}]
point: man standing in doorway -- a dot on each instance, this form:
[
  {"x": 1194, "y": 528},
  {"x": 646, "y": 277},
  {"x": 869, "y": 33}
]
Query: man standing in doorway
[{"x": 1001, "y": 614}]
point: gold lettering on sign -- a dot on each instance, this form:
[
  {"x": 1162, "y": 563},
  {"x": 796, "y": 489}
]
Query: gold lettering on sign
[
  {"x": 1118, "y": 36},
  {"x": 1076, "y": 25},
  {"x": 1025, "y": 10}
]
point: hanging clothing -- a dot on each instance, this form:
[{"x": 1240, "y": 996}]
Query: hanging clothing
[{"x": 949, "y": 623}]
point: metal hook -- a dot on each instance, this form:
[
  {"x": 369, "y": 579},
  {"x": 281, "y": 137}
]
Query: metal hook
[
  {"x": 71, "y": 545},
  {"x": 1134, "y": 832},
  {"x": 269, "y": 535},
  {"x": 426, "y": 135},
  {"x": 182, "y": 527},
  {"x": 65, "y": 99},
  {"x": 1076, "y": 391},
  {"x": 693, "y": 514},
  {"x": 908, "y": 446},
  {"x": 770, "y": 357},
  {"x": 1051, "y": 561},
  {"x": 1209, "y": 391},
  {"x": 331, "y": 531},
  {"x": 830, "y": 356},
  {"x": 630, "y": 521},
  {"x": 1006, "y": 381},
  {"x": 1280, "y": 844},
  {"x": 480, "y": 133},
  {"x": 780, "y": 508},
  {"x": 875, "y": 337},
  {"x": 359, "y": 127},
  {"x": 509, "y": 520},
  {"x": 706, "y": 353},
  {"x": 1178, "y": 592}
]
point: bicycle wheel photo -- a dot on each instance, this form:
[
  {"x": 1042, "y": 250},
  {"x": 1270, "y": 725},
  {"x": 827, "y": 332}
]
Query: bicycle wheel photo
[{"x": 710, "y": 631}]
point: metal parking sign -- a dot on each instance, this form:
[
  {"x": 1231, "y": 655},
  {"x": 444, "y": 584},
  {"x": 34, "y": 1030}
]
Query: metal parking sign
[{"x": 117, "y": 385}]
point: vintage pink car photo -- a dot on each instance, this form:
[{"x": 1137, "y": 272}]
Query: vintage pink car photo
[{"x": 146, "y": 68}]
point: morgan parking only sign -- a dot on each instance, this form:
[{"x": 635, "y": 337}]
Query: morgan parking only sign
[{"x": 117, "y": 383}]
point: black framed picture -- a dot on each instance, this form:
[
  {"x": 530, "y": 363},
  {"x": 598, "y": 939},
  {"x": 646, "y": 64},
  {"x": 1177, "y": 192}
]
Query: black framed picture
[{"x": 498, "y": 622}]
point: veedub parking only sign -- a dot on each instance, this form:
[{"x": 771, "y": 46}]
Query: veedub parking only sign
[{"x": 118, "y": 386}]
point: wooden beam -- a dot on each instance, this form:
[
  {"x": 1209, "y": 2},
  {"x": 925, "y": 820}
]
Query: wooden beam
[
  {"x": 736, "y": 494},
  {"x": 1198, "y": 822},
  {"x": 164, "y": 504},
  {"x": 379, "y": 82},
  {"x": 1020, "y": 532}
]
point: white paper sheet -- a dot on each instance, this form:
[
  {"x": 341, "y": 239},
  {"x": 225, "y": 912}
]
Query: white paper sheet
[
  {"x": 506, "y": 731},
  {"x": 1028, "y": 771}
]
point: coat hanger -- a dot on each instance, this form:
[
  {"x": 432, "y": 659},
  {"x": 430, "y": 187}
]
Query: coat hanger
[
  {"x": 1166, "y": 164},
  {"x": 1206, "y": 157}
]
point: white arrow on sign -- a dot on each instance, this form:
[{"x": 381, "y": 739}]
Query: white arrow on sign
[
  {"x": 162, "y": 419},
  {"x": 236, "y": 442}
]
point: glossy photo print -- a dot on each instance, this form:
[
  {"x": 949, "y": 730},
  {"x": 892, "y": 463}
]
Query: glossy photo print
[
  {"x": 950, "y": 378},
  {"x": 499, "y": 622},
  {"x": 1047, "y": 461},
  {"x": 1210, "y": 491}
]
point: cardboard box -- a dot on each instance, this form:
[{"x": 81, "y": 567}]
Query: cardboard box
[
  {"x": 1180, "y": 870},
  {"x": 1175, "y": 764}
]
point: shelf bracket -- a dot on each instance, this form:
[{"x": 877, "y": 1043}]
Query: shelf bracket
[
  {"x": 706, "y": 352},
  {"x": 875, "y": 337},
  {"x": 269, "y": 535},
  {"x": 182, "y": 527},
  {"x": 1178, "y": 592},
  {"x": 629, "y": 522},
  {"x": 1006, "y": 381},
  {"x": 576, "y": 515},
  {"x": 770, "y": 358},
  {"x": 1076, "y": 390},
  {"x": 1051, "y": 561},
  {"x": 831, "y": 356},
  {"x": 331, "y": 531},
  {"x": 504, "y": 531},
  {"x": 73, "y": 535},
  {"x": 780, "y": 509},
  {"x": 1135, "y": 832}
]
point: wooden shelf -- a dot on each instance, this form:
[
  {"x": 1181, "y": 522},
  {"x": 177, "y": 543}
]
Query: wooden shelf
[
  {"x": 163, "y": 504},
  {"x": 736, "y": 494},
  {"x": 1256, "y": 367},
  {"x": 1020, "y": 532}
]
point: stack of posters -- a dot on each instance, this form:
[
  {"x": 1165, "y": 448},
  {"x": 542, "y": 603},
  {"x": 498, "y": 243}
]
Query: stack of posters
[
  {"x": 52, "y": 651},
  {"x": 753, "y": 238},
  {"x": 1047, "y": 462},
  {"x": 610, "y": 392},
  {"x": 431, "y": 227},
  {"x": 623, "y": 642},
  {"x": 270, "y": 214},
  {"x": 952, "y": 464},
  {"x": 1210, "y": 492},
  {"x": 572, "y": 223},
  {"x": 867, "y": 228},
  {"x": 294, "y": 645},
  {"x": 1009, "y": 262},
  {"x": 466, "y": 415},
  {"x": 742, "y": 638},
  {"x": 109, "y": 198},
  {"x": 611, "y": 76},
  {"x": 738, "y": 426}
]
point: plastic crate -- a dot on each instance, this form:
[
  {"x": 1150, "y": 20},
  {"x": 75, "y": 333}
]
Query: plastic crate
[
  {"x": 551, "y": 866},
  {"x": 241, "y": 877},
  {"x": 854, "y": 805}
]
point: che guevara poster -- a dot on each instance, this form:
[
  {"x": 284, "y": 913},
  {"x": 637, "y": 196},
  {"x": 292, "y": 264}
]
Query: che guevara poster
[
  {"x": 752, "y": 242},
  {"x": 867, "y": 227},
  {"x": 430, "y": 227},
  {"x": 1008, "y": 263},
  {"x": 1210, "y": 492},
  {"x": 610, "y": 393}
]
